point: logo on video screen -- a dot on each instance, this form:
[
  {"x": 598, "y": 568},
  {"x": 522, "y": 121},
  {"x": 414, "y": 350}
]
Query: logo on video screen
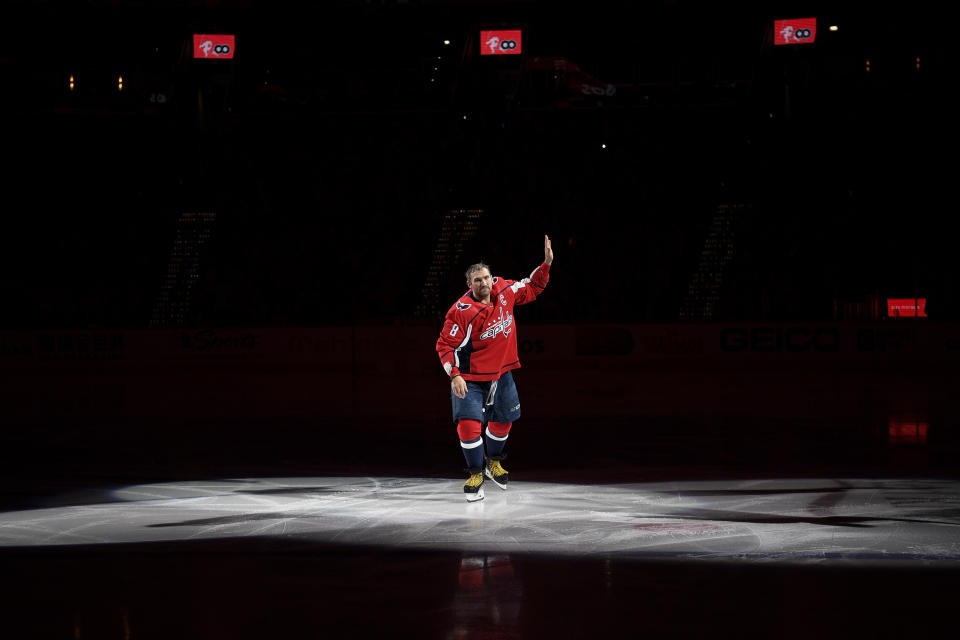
[
  {"x": 213, "y": 47},
  {"x": 500, "y": 43},
  {"x": 798, "y": 31}
]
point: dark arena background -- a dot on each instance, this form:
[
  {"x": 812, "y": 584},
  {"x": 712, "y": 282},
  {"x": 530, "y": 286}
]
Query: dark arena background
[{"x": 232, "y": 228}]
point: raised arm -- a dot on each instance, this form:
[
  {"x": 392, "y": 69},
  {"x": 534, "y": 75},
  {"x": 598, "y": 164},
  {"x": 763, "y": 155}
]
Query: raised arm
[{"x": 529, "y": 288}]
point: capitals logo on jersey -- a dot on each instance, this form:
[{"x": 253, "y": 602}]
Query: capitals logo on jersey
[
  {"x": 461, "y": 306},
  {"x": 503, "y": 325}
]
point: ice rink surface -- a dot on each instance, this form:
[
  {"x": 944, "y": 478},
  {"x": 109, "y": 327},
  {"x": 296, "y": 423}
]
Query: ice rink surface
[
  {"x": 678, "y": 529},
  {"x": 808, "y": 520}
]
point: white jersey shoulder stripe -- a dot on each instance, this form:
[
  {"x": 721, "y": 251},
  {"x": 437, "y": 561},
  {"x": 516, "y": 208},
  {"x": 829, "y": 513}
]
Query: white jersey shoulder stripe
[{"x": 520, "y": 284}]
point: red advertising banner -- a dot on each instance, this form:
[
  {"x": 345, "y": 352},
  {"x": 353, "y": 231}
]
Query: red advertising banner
[
  {"x": 907, "y": 307},
  {"x": 213, "y": 47},
  {"x": 907, "y": 431},
  {"x": 500, "y": 43},
  {"x": 796, "y": 31},
  {"x": 197, "y": 374}
]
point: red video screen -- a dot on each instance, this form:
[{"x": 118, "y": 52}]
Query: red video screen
[
  {"x": 213, "y": 47},
  {"x": 500, "y": 43},
  {"x": 907, "y": 431},
  {"x": 906, "y": 307},
  {"x": 797, "y": 31}
]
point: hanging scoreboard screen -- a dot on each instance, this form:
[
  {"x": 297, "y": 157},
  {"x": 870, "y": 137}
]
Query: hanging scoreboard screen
[
  {"x": 213, "y": 47},
  {"x": 500, "y": 43},
  {"x": 797, "y": 31}
]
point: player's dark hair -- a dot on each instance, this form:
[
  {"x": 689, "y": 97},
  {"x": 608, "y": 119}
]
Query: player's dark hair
[{"x": 476, "y": 267}]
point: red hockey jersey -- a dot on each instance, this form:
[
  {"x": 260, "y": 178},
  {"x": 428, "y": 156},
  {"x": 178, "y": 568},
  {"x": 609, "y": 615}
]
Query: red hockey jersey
[{"x": 479, "y": 340}]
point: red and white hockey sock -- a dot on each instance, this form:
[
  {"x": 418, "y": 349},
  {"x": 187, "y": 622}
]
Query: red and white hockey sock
[
  {"x": 471, "y": 442},
  {"x": 497, "y": 433}
]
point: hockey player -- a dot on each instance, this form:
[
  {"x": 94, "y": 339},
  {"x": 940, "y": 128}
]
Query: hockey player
[{"x": 478, "y": 349}]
